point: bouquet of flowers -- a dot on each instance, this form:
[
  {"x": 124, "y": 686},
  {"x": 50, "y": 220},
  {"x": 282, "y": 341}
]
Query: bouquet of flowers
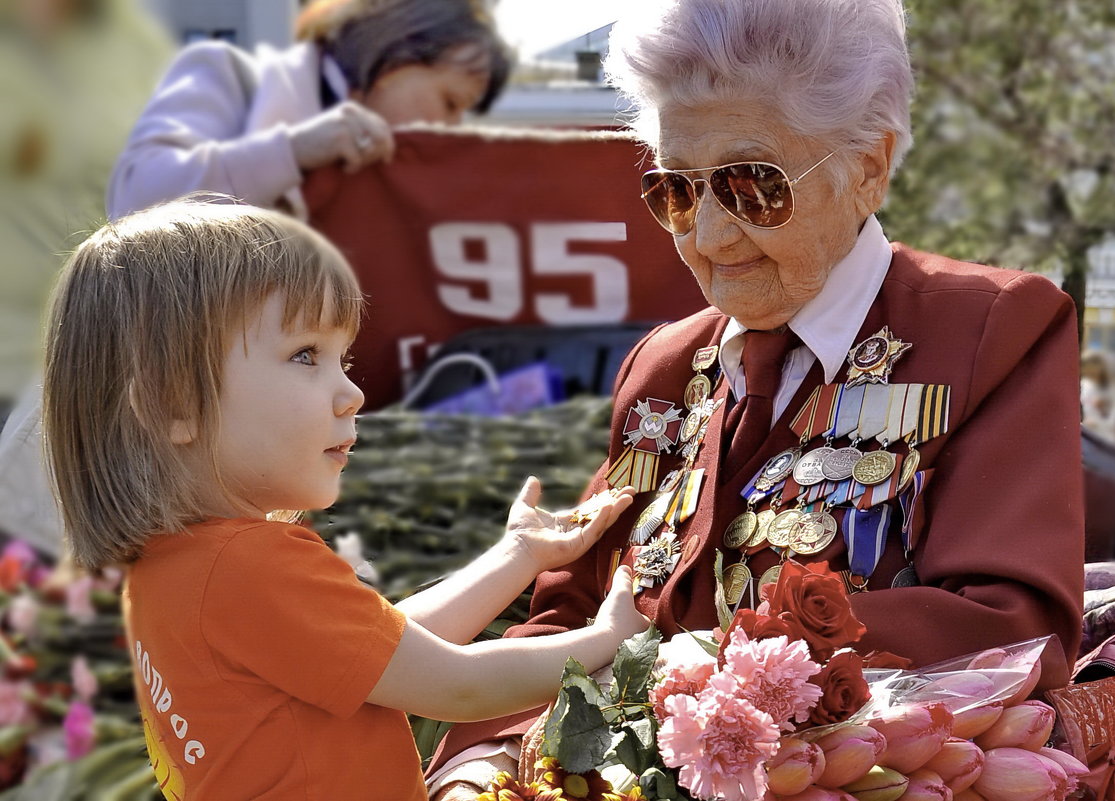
[{"x": 779, "y": 707}]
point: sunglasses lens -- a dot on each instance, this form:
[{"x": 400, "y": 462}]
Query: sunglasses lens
[
  {"x": 672, "y": 200},
  {"x": 755, "y": 193}
]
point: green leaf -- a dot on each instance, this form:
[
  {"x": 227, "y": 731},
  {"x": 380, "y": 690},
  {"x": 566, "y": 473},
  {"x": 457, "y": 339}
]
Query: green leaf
[
  {"x": 633, "y": 664},
  {"x": 575, "y": 675},
  {"x": 656, "y": 783},
  {"x": 723, "y": 613},
  {"x": 634, "y": 746},
  {"x": 553, "y": 731},
  {"x": 585, "y": 736},
  {"x": 708, "y": 646}
]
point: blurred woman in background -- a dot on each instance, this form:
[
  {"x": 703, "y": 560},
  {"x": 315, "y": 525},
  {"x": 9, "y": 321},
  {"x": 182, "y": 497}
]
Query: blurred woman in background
[{"x": 250, "y": 125}]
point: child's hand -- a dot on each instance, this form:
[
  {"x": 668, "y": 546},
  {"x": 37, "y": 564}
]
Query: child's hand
[
  {"x": 618, "y": 612},
  {"x": 552, "y": 539}
]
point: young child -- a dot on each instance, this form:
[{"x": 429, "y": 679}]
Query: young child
[{"x": 195, "y": 392}]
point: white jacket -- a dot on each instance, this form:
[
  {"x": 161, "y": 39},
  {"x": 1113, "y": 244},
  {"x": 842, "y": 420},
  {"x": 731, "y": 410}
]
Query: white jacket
[{"x": 218, "y": 122}]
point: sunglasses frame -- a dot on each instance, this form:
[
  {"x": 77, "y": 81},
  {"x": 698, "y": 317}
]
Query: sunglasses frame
[{"x": 697, "y": 194}]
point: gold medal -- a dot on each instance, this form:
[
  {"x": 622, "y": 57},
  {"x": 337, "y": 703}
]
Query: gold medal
[
  {"x": 909, "y": 468},
  {"x": 740, "y": 530},
  {"x": 770, "y": 575},
  {"x": 812, "y": 533},
  {"x": 590, "y": 508},
  {"x": 872, "y": 360},
  {"x": 691, "y": 425},
  {"x": 874, "y": 467},
  {"x": 704, "y": 358},
  {"x": 778, "y": 532},
  {"x": 697, "y": 391},
  {"x": 735, "y": 582},
  {"x": 760, "y": 535}
]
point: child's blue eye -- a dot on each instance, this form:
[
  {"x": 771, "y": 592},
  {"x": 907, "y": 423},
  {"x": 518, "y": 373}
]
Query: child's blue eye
[{"x": 306, "y": 356}]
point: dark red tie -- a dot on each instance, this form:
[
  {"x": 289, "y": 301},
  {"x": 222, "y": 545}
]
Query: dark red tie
[{"x": 748, "y": 422}]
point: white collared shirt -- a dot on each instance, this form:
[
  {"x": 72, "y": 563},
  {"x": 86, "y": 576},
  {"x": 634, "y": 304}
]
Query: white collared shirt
[{"x": 827, "y": 325}]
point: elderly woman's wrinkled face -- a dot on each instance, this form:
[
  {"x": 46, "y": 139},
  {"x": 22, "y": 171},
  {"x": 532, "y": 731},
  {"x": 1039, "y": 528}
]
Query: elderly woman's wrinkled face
[{"x": 762, "y": 277}]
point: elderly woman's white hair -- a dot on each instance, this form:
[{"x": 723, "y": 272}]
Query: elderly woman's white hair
[{"x": 836, "y": 71}]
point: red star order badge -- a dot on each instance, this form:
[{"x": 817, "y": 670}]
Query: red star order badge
[
  {"x": 871, "y": 361},
  {"x": 652, "y": 426}
]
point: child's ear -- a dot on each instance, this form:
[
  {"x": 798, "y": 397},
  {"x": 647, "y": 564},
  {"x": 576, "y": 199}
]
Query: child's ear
[{"x": 181, "y": 432}]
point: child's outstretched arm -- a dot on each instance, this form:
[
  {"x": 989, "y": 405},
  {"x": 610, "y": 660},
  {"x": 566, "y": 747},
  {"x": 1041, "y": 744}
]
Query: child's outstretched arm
[
  {"x": 430, "y": 677},
  {"x": 458, "y": 608}
]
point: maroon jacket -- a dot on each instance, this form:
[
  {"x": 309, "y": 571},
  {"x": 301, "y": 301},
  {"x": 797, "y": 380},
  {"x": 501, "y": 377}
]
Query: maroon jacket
[{"x": 1001, "y": 547}]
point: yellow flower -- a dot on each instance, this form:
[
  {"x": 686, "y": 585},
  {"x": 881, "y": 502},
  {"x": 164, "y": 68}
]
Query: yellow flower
[
  {"x": 589, "y": 786},
  {"x": 506, "y": 788},
  {"x": 634, "y": 794}
]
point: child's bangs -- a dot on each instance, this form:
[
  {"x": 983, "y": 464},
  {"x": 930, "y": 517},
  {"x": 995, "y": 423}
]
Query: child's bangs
[{"x": 319, "y": 288}]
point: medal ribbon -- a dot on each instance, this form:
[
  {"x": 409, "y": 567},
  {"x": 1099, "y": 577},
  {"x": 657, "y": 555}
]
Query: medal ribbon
[
  {"x": 804, "y": 418},
  {"x": 848, "y": 410},
  {"x": 865, "y": 533},
  {"x": 933, "y": 419},
  {"x": 637, "y": 468},
  {"x": 816, "y": 492},
  {"x": 883, "y": 491},
  {"x": 826, "y": 410},
  {"x": 909, "y": 503},
  {"x": 911, "y": 410},
  {"x": 895, "y": 407},
  {"x": 873, "y": 411},
  {"x": 841, "y": 493},
  {"x": 685, "y": 500}
]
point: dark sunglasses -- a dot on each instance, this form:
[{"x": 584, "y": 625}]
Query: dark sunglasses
[{"x": 754, "y": 192}]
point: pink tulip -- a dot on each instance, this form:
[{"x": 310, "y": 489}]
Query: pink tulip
[
  {"x": 914, "y": 733},
  {"x": 1027, "y": 685},
  {"x": 965, "y": 694},
  {"x": 925, "y": 785},
  {"x": 1015, "y": 774},
  {"x": 968, "y": 795},
  {"x": 958, "y": 763},
  {"x": 78, "y": 726},
  {"x": 975, "y": 721},
  {"x": 797, "y": 765},
  {"x": 991, "y": 658},
  {"x": 1027, "y": 725},
  {"x": 1074, "y": 768},
  {"x": 850, "y": 751}
]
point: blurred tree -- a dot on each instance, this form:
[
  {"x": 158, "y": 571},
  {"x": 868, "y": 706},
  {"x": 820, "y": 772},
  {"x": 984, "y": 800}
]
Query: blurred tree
[{"x": 1014, "y": 118}]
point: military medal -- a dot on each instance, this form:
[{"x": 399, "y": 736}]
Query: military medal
[
  {"x": 909, "y": 468},
  {"x": 697, "y": 391},
  {"x": 807, "y": 471},
  {"x": 704, "y": 358},
  {"x": 760, "y": 535},
  {"x": 812, "y": 528},
  {"x": 656, "y": 561},
  {"x": 651, "y": 428},
  {"x": 874, "y": 467},
  {"x": 587, "y": 511},
  {"x": 739, "y": 531},
  {"x": 770, "y": 575},
  {"x": 776, "y": 469},
  {"x": 906, "y": 577},
  {"x": 839, "y": 464},
  {"x": 735, "y": 582},
  {"x": 872, "y": 360},
  {"x": 778, "y": 532},
  {"x": 650, "y": 519},
  {"x": 692, "y": 425}
]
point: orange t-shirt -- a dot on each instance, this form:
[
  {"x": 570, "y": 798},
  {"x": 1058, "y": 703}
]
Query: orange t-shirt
[{"x": 254, "y": 647}]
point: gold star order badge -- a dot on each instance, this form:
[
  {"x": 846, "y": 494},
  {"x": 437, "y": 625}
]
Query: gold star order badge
[{"x": 871, "y": 361}]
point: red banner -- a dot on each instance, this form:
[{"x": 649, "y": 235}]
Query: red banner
[{"x": 466, "y": 230}]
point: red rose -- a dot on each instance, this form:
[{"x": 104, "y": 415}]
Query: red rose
[
  {"x": 885, "y": 659},
  {"x": 816, "y": 599},
  {"x": 844, "y": 687}
]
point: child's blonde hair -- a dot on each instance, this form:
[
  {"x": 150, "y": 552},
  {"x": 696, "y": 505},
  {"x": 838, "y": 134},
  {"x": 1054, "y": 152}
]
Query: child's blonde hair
[{"x": 143, "y": 316}]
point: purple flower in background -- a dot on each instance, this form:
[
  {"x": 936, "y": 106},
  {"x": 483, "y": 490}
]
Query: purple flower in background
[{"x": 78, "y": 726}]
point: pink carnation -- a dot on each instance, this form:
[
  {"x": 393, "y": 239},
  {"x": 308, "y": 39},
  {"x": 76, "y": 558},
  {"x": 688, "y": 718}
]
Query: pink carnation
[
  {"x": 14, "y": 707},
  {"x": 78, "y": 726},
  {"x": 680, "y": 680},
  {"x": 719, "y": 743},
  {"x": 772, "y": 674}
]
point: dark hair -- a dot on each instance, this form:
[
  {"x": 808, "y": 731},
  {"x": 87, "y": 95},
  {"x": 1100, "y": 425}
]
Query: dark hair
[{"x": 369, "y": 38}]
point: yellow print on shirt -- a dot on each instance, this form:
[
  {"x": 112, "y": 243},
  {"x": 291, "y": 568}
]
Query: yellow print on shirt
[{"x": 167, "y": 774}]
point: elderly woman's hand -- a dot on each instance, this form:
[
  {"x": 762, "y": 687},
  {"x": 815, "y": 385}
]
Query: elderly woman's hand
[{"x": 348, "y": 132}]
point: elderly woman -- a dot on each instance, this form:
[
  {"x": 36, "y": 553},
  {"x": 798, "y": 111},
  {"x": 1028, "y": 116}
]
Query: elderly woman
[
  {"x": 911, "y": 420},
  {"x": 249, "y": 125}
]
